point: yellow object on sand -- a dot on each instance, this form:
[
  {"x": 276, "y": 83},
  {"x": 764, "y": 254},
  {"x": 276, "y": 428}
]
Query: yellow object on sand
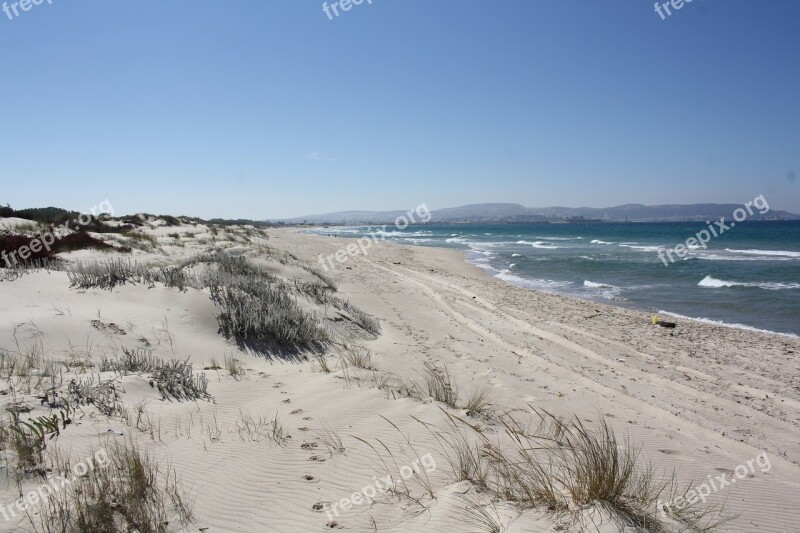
[{"x": 656, "y": 320}]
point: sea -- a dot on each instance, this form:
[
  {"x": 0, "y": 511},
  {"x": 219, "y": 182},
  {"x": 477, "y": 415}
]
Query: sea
[{"x": 747, "y": 277}]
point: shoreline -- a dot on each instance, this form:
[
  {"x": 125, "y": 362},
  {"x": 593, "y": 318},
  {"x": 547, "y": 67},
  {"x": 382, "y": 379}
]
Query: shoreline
[
  {"x": 701, "y": 355},
  {"x": 632, "y": 306}
]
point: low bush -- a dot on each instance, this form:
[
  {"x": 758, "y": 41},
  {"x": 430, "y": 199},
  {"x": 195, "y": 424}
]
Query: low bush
[{"x": 11, "y": 243}]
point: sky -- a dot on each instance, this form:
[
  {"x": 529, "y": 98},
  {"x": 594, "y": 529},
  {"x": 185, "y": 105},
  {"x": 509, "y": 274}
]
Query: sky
[{"x": 272, "y": 109}]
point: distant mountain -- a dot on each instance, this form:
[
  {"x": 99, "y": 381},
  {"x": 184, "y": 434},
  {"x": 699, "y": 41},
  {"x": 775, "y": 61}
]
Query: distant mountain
[{"x": 515, "y": 213}]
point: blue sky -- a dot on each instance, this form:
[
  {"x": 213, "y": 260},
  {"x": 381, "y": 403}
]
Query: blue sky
[{"x": 268, "y": 109}]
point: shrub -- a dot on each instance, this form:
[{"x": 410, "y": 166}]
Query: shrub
[
  {"x": 175, "y": 379},
  {"x": 140, "y": 237},
  {"x": 11, "y": 243}
]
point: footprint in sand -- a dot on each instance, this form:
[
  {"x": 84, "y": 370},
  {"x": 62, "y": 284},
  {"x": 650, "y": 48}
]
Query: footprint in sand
[
  {"x": 317, "y": 459},
  {"x": 320, "y": 506},
  {"x": 333, "y": 524},
  {"x": 309, "y": 445},
  {"x": 296, "y": 412}
]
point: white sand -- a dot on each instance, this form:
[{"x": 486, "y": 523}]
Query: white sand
[{"x": 700, "y": 399}]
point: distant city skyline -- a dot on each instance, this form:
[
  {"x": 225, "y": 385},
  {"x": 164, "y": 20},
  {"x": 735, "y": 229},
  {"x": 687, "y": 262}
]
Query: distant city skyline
[{"x": 273, "y": 110}]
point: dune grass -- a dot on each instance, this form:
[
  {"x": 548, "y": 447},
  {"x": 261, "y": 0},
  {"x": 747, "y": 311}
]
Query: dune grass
[
  {"x": 437, "y": 384},
  {"x": 566, "y": 467},
  {"x": 234, "y": 367},
  {"x": 256, "y": 305},
  {"x": 356, "y": 355},
  {"x": 174, "y": 379},
  {"x": 479, "y": 402},
  {"x": 119, "y": 271},
  {"x": 127, "y": 491}
]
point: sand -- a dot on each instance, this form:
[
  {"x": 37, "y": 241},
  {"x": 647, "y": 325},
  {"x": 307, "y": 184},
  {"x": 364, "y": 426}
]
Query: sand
[{"x": 699, "y": 400}]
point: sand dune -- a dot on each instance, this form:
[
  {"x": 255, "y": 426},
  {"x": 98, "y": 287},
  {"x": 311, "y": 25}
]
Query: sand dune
[{"x": 700, "y": 400}]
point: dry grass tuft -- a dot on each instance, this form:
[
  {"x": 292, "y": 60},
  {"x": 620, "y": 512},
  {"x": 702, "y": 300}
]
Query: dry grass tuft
[
  {"x": 479, "y": 402},
  {"x": 257, "y": 306},
  {"x": 125, "y": 490},
  {"x": 234, "y": 367},
  {"x": 356, "y": 355},
  {"x": 436, "y": 384},
  {"x": 566, "y": 467}
]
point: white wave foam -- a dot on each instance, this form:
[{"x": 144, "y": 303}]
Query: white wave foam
[
  {"x": 609, "y": 292},
  {"x": 779, "y": 253},
  {"x": 540, "y": 244},
  {"x": 642, "y": 248},
  {"x": 533, "y": 283},
  {"x": 718, "y": 257},
  {"x": 714, "y": 283},
  {"x": 598, "y": 241},
  {"x": 396, "y": 233},
  {"x": 593, "y": 285},
  {"x": 726, "y": 324}
]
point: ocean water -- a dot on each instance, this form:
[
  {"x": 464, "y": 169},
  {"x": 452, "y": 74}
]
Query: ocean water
[{"x": 747, "y": 277}]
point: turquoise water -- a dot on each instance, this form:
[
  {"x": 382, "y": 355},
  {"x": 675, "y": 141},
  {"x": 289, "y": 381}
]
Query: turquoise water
[{"x": 747, "y": 277}]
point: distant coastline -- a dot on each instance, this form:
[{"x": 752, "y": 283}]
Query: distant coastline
[{"x": 518, "y": 214}]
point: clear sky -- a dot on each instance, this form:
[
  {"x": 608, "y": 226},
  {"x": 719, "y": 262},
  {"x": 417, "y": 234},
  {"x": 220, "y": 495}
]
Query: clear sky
[{"x": 269, "y": 109}]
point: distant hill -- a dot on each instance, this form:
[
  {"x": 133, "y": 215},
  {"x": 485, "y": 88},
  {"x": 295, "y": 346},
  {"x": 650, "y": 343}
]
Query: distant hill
[{"x": 515, "y": 213}]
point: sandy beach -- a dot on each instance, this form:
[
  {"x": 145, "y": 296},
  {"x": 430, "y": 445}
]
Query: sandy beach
[{"x": 698, "y": 400}]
